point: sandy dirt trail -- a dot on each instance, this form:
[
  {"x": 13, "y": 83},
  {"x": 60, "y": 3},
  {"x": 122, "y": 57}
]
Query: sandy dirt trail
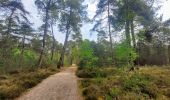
[{"x": 61, "y": 86}]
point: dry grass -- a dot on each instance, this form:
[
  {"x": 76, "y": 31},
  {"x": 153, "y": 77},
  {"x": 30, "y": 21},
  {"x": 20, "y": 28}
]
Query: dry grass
[
  {"x": 15, "y": 83},
  {"x": 143, "y": 84}
]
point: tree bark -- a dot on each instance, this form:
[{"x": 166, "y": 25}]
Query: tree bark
[
  {"x": 110, "y": 34},
  {"x": 127, "y": 24},
  {"x": 169, "y": 53},
  {"x": 61, "y": 60},
  {"x": 165, "y": 54},
  {"x": 53, "y": 45},
  {"x": 22, "y": 51},
  {"x": 133, "y": 34},
  {"x": 44, "y": 36},
  {"x": 128, "y": 33}
]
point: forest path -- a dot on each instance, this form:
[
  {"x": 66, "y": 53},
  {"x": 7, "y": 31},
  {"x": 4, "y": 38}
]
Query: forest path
[{"x": 61, "y": 86}]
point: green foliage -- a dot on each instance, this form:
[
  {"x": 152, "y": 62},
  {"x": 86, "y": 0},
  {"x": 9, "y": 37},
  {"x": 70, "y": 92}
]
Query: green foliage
[
  {"x": 142, "y": 84},
  {"x": 86, "y": 50},
  {"x": 91, "y": 92},
  {"x": 96, "y": 72},
  {"x": 114, "y": 92},
  {"x": 87, "y": 55},
  {"x": 16, "y": 60},
  {"x": 29, "y": 57},
  {"x": 91, "y": 73},
  {"x": 124, "y": 54}
]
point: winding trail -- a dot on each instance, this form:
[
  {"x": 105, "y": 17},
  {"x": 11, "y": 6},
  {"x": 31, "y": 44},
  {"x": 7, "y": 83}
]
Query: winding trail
[{"x": 61, "y": 86}]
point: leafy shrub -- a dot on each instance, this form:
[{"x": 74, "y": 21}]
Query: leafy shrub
[
  {"x": 90, "y": 73},
  {"x": 146, "y": 83},
  {"x": 133, "y": 96},
  {"x": 16, "y": 60},
  {"x": 92, "y": 92},
  {"x": 85, "y": 83},
  {"x": 95, "y": 72},
  {"x": 139, "y": 84},
  {"x": 124, "y": 54},
  {"x": 9, "y": 92},
  {"x": 87, "y": 55},
  {"x": 114, "y": 92}
]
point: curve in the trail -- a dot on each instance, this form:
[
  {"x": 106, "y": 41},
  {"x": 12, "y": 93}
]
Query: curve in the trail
[{"x": 61, "y": 86}]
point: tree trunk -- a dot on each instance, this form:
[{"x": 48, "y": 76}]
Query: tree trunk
[
  {"x": 61, "y": 60},
  {"x": 22, "y": 51},
  {"x": 7, "y": 47},
  {"x": 165, "y": 54},
  {"x": 133, "y": 34},
  {"x": 110, "y": 34},
  {"x": 127, "y": 24},
  {"x": 128, "y": 33},
  {"x": 53, "y": 45},
  {"x": 70, "y": 59},
  {"x": 169, "y": 52},
  {"x": 44, "y": 36}
]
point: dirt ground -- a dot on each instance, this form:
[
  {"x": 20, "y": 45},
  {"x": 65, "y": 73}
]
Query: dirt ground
[{"x": 61, "y": 86}]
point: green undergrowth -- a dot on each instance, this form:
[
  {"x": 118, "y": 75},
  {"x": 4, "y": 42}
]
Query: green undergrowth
[
  {"x": 147, "y": 83},
  {"x": 96, "y": 72},
  {"x": 14, "y": 83}
]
